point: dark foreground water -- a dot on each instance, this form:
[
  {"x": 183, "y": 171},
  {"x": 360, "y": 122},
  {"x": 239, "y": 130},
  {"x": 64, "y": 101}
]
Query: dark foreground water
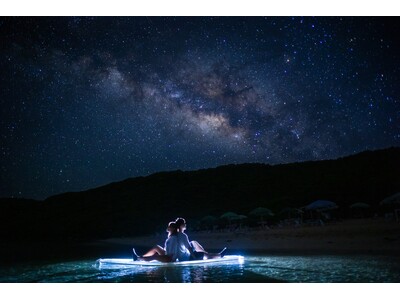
[{"x": 255, "y": 268}]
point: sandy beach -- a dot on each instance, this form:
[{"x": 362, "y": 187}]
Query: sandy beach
[{"x": 358, "y": 236}]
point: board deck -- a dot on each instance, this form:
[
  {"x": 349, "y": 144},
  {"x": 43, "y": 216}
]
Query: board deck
[{"x": 126, "y": 262}]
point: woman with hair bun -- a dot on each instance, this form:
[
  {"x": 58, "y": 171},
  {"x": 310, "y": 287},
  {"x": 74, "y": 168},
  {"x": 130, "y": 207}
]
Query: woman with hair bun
[{"x": 192, "y": 250}]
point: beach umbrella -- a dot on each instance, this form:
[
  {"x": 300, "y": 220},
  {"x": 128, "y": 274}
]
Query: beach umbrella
[
  {"x": 261, "y": 212},
  {"x": 240, "y": 218},
  {"x": 290, "y": 211},
  {"x": 230, "y": 216},
  {"x": 359, "y": 209},
  {"x": 209, "y": 219},
  {"x": 392, "y": 200},
  {"x": 360, "y": 205},
  {"x": 392, "y": 203},
  {"x": 233, "y": 216},
  {"x": 321, "y": 205}
]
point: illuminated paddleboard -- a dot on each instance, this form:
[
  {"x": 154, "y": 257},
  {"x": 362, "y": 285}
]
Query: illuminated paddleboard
[{"x": 127, "y": 262}]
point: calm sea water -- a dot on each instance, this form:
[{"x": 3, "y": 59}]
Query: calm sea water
[{"x": 254, "y": 269}]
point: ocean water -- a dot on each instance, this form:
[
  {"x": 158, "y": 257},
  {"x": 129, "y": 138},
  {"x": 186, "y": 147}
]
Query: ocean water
[{"x": 255, "y": 268}]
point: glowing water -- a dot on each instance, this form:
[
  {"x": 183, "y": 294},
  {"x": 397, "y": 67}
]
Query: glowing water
[{"x": 254, "y": 269}]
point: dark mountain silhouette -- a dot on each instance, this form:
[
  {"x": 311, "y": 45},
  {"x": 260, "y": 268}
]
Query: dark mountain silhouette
[{"x": 145, "y": 204}]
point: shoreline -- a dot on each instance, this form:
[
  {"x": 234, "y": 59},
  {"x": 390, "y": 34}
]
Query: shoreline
[
  {"x": 358, "y": 236},
  {"x": 375, "y": 237}
]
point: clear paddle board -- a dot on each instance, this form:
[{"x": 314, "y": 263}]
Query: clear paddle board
[{"x": 126, "y": 262}]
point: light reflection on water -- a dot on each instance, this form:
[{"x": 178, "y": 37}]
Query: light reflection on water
[
  {"x": 327, "y": 268},
  {"x": 254, "y": 269}
]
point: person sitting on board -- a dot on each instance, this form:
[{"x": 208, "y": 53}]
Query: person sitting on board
[
  {"x": 167, "y": 254},
  {"x": 192, "y": 250}
]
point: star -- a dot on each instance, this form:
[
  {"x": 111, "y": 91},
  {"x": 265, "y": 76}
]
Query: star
[{"x": 88, "y": 101}]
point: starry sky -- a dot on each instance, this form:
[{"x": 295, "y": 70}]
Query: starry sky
[{"x": 86, "y": 101}]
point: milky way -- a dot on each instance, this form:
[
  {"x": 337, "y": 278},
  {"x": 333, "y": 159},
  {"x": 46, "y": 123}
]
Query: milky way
[{"x": 88, "y": 101}]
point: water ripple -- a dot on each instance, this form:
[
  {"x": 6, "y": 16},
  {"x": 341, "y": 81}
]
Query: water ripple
[{"x": 255, "y": 269}]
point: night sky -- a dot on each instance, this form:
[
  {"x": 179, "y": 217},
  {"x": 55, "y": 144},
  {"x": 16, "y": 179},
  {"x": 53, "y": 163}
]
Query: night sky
[{"x": 88, "y": 101}]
